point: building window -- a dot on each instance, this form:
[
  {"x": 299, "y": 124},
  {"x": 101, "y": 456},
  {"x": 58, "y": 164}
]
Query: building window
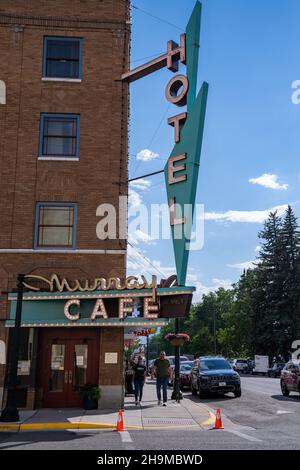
[
  {"x": 62, "y": 57},
  {"x": 59, "y": 136},
  {"x": 55, "y": 225}
]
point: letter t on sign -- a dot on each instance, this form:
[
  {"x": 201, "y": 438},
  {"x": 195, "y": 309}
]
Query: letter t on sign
[{"x": 177, "y": 121}]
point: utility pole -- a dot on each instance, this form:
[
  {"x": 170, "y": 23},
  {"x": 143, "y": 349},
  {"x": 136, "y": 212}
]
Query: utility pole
[
  {"x": 147, "y": 353},
  {"x": 215, "y": 336},
  {"x": 11, "y": 413}
]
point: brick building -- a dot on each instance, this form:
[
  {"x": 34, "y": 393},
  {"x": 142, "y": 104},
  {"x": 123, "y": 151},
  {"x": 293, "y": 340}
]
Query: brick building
[{"x": 63, "y": 152}]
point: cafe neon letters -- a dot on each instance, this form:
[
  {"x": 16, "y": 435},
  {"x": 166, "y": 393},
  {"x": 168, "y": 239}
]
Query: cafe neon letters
[{"x": 125, "y": 308}]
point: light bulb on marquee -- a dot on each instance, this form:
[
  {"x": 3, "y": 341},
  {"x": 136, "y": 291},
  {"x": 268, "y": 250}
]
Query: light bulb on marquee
[{"x": 71, "y": 316}]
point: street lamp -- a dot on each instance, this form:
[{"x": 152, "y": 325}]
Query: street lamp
[
  {"x": 10, "y": 413},
  {"x": 176, "y": 394}
]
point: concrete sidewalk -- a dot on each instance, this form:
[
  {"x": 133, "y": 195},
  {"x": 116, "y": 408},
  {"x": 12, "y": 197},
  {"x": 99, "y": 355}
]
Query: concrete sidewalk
[{"x": 148, "y": 415}]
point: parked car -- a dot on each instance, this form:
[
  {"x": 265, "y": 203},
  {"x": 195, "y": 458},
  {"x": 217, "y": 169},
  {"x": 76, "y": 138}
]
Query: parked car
[
  {"x": 290, "y": 378},
  {"x": 214, "y": 375},
  {"x": 240, "y": 365},
  {"x": 185, "y": 369},
  {"x": 275, "y": 369},
  {"x": 251, "y": 365},
  {"x": 185, "y": 374},
  {"x": 171, "y": 359}
]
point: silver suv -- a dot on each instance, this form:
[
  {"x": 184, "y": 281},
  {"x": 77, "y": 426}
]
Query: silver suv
[{"x": 240, "y": 365}]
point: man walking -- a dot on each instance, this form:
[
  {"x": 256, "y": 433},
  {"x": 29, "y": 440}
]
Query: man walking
[
  {"x": 139, "y": 379},
  {"x": 162, "y": 372}
]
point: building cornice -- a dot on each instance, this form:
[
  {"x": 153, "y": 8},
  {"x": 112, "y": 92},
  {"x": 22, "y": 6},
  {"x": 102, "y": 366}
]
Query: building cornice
[{"x": 62, "y": 22}]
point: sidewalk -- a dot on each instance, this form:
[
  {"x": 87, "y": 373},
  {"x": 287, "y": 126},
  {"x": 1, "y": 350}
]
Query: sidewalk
[{"x": 148, "y": 415}]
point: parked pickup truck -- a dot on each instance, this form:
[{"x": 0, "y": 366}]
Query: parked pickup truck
[{"x": 261, "y": 365}]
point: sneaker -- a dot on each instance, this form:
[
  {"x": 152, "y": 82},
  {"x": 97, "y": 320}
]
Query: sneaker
[
  {"x": 164, "y": 403},
  {"x": 159, "y": 402},
  {"x": 136, "y": 403}
]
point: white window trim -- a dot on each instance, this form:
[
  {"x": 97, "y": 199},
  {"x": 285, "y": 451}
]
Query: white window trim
[
  {"x": 60, "y": 159},
  {"x": 68, "y": 80}
]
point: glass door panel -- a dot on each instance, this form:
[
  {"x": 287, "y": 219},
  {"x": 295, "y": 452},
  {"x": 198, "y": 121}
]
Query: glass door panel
[
  {"x": 57, "y": 376},
  {"x": 80, "y": 365}
]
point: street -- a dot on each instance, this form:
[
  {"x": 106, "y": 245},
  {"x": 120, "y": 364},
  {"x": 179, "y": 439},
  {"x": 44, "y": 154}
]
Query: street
[{"x": 261, "y": 419}]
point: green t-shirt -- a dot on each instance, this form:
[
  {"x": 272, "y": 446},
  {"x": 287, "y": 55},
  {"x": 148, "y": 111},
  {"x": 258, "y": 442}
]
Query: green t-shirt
[{"x": 162, "y": 367}]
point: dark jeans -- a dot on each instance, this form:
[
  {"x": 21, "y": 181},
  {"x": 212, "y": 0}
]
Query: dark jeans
[
  {"x": 162, "y": 382},
  {"x": 138, "y": 389}
]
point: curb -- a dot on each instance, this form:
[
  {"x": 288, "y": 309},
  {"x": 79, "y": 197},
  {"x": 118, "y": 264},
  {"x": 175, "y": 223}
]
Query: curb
[
  {"x": 45, "y": 426},
  {"x": 17, "y": 427}
]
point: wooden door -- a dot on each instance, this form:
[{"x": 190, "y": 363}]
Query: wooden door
[{"x": 70, "y": 360}]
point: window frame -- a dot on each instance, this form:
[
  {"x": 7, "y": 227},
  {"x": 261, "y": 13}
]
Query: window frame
[
  {"x": 59, "y": 157},
  {"x": 37, "y": 225},
  {"x": 67, "y": 39}
]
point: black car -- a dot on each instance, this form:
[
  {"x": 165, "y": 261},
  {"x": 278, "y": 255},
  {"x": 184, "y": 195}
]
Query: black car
[
  {"x": 275, "y": 369},
  {"x": 214, "y": 375}
]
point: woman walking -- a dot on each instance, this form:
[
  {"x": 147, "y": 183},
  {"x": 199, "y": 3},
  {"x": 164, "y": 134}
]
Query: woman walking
[{"x": 139, "y": 379}]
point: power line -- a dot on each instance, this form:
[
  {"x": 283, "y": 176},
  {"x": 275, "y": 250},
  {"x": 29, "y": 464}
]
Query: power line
[
  {"x": 157, "y": 18},
  {"x": 147, "y": 57},
  {"x": 146, "y": 259},
  {"x": 145, "y": 176},
  {"x": 154, "y": 134},
  {"x": 135, "y": 261}
]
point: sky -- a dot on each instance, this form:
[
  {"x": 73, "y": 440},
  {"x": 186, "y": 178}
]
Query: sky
[{"x": 251, "y": 146}]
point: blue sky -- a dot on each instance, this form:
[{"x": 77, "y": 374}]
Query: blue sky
[{"x": 249, "y": 57}]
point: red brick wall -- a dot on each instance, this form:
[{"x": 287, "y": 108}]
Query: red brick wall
[{"x": 101, "y": 99}]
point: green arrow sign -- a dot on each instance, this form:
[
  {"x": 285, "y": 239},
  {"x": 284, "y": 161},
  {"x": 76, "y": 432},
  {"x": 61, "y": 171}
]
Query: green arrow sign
[{"x": 182, "y": 183}]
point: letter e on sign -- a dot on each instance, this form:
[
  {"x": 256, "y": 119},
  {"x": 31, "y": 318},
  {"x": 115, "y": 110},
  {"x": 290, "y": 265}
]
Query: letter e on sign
[
  {"x": 150, "y": 306},
  {"x": 173, "y": 169}
]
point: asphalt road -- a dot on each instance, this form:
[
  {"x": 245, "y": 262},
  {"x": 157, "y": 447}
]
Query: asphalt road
[{"x": 261, "y": 419}]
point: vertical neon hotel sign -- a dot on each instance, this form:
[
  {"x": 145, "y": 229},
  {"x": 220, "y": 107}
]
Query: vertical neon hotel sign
[{"x": 181, "y": 170}]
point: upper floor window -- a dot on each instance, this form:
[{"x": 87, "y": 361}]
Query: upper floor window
[
  {"x": 59, "y": 136},
  {"x": 62, "y": 57},
  {"x": 55, "y": 225}
]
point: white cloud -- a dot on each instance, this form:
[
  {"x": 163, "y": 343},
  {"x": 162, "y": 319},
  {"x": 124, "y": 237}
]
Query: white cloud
[
  {"x": 202, "y": 289},
  {"x": 141, "y": 184},
  {"x": 138, "y": 262},
  {"x": 241, "y": 266},
  {"x": 134, "y": 199},
  {"x": 225, "y": 283},
  {"x": 245, "y": 216},
  {"x": 269, "y": 181},
  {"x": 146, "y": 155},
  {"x": 140, "y": 236}
]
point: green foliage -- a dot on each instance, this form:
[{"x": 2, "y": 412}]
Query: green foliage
[
  {"x": 91, "y": 391},
  {"x": 261, "y": 313}
]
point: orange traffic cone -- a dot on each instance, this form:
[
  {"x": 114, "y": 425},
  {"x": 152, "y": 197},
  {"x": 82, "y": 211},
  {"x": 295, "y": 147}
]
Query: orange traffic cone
[
  {"x": 218, "y": 422},
  {"x": 120, "y": 422}
]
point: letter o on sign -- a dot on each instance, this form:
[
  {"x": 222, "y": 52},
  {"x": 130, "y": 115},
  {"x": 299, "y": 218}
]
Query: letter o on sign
[{"x": 174, "y": 86}]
